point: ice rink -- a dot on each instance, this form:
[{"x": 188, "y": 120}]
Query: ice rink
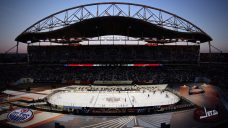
[{"x": 113, "y": 99}]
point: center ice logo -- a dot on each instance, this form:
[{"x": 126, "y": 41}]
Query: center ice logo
[
  {"x": 20, "y": 115},
  {"x": 112, "y": 99}
]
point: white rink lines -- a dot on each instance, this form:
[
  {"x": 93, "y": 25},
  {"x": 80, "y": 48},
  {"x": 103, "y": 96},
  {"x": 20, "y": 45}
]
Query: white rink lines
[
  {"x": 114, "y": 123},
  {"x": 156, "y": 120},
  {"x": 113, "y": 99},
  {"x": 123, "y": 122},
  {"x": 129, "y": 99},
  {"x": 96, "y": 100}
]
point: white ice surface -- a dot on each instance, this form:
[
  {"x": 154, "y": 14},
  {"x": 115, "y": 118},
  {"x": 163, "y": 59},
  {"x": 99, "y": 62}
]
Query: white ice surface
[{"x": 113, "y": 99}]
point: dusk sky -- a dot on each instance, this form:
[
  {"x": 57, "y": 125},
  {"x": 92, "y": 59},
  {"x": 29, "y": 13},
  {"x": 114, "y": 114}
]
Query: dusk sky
[{"x": 209, "y": 15}]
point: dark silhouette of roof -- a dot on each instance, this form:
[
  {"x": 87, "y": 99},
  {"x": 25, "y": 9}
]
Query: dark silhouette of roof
[{"x": 134, "y": 20}]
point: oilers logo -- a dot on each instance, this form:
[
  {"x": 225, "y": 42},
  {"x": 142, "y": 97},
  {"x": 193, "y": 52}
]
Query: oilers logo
[{"x": 20, "y": 115}]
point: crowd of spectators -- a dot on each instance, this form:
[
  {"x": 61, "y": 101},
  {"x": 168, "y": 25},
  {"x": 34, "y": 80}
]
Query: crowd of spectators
[
  {"x": 12, "y": 58},
  {"x": 61, "y": 74},
  {"x": 214, "y": 57},
  {"x": 113, "y": 54},
  {"x": 51, "y": 65}
]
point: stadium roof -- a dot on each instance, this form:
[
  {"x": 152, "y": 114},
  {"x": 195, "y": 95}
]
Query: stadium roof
[{"x": 79, "y": 23}]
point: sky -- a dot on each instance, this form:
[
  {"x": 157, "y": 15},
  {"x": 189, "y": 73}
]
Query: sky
[{"x": 210, "y": 15}]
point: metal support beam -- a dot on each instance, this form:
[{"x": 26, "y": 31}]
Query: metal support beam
[
  {"x": 28, "y": 55},
  {"x": 129, "y": 10},
  {"x": 199, "y": 57},
  {"x": 17, "y": 52},
  {"x": 146, "y": 13},
  {"x": 216, "y": 48},
  {"x": 97, "y": 10},
  {"x": 10, "y": 49},
  {"x": 209, "y": 43},
  {"x": 17, "y": 48},
  {"x": 84, "y": 12}
]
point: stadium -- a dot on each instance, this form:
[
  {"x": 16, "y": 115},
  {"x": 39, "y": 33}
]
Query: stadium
[{"x": 113, "y": 64}]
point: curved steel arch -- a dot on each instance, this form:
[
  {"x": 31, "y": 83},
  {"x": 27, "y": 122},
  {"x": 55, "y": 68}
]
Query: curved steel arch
[{"x": 148, "y": 14}]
